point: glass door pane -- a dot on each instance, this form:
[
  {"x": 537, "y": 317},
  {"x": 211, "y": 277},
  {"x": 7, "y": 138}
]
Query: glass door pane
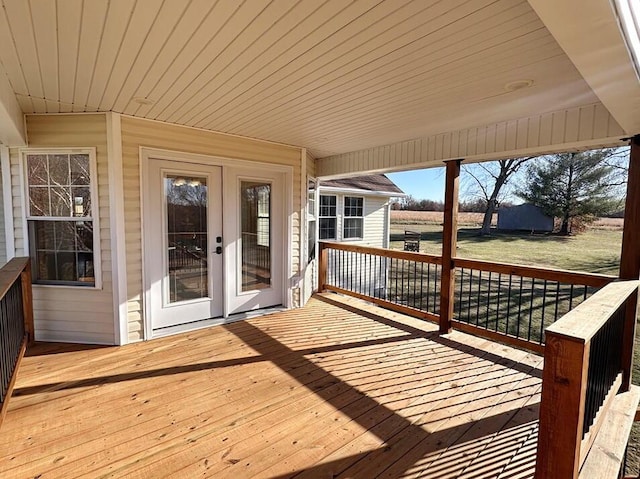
[
  {"x": 186, "y": 206},
  {"x": 256, "y": 235}
]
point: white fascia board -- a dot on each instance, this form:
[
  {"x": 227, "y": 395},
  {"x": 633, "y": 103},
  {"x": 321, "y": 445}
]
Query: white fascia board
[
  {"x": 12, "y": 129},
  {"x": 591, "y": 34}
]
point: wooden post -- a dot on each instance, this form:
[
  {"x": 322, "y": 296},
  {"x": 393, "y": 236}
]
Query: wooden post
[
  {"x": 27, "y": 303},
  {"x": 323, "y": 255},
  {"x": 630, "y": 257},
  {"x": 564, "y": 381},
  {"x": 449, "y": 241}
]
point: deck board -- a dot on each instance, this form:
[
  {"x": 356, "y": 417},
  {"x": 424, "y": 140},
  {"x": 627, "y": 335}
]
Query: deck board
[{"x": 336, "y": 389}]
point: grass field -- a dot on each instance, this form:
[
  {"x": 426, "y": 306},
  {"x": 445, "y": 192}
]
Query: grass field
[{"x": 597, "y": 250}]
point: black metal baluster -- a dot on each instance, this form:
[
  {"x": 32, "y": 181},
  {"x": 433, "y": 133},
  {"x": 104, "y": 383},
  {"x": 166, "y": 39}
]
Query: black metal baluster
[
  {"x": 519, "y": 309},
  {"x": 544, "y": 307},
  {"x": 529, "y": 326}
]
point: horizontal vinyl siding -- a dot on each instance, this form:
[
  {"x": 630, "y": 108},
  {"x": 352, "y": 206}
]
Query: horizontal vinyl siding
[
  {"x": 374, "y": 219},
  {"x": 3, "y": 241},
  {"x": 590, "y": 126},
  {"x": 138, "y": 133},
  {"x": 62, "y": 313}
]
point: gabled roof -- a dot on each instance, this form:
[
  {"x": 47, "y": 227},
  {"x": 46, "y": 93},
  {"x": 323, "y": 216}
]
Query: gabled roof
[{"x": 374, "y": 183}]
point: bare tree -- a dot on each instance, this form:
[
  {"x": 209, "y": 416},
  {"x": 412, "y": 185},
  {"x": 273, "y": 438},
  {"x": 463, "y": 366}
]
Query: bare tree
[{"x": 489, "y": 182}]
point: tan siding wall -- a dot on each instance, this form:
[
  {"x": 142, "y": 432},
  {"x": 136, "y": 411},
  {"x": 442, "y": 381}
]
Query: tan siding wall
[
  {"x": 70, "y": 314},
  {"x": 138, "y": 133},
  {"x": 585, "y": 127}
]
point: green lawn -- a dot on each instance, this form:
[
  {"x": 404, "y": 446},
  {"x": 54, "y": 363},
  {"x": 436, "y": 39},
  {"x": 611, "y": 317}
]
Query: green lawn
[{"x": 594, "y": 251}]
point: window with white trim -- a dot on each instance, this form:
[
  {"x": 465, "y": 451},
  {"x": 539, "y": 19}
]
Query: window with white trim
[
  {"x": 327, "y": 217},
  {"x": 60, "y": 206},
  {"x": 352, "y": 223}
]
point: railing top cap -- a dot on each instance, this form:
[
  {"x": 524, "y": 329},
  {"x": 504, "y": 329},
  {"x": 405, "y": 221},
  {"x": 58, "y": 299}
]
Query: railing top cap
[{"x": 583, "y": 322}]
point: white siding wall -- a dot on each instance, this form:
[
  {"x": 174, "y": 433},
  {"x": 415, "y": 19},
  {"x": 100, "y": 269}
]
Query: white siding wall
[
  {"x": 138, "y": 133},
  {"x": 375, "y": 219},
  {"x": 65, "y": 313}
]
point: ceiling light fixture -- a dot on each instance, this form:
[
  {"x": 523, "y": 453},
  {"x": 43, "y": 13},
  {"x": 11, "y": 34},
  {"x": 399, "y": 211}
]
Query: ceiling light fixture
[
  {"x": 140, "y": 100},
  {"x": 518, "y": 85}
]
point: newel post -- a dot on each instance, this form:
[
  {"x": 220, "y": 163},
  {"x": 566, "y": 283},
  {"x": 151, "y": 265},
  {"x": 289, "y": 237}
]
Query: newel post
[
  {"x": 323, "y": 255},
  {"x": 449, "y": 241},
  {"x": 564, "y": 381},
  {"x": 630, "y": 256},
  {"x": 27, "y": 302}
]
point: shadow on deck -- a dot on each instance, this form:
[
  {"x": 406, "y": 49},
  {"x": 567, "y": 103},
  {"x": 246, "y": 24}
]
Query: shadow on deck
[{"x": 336, "y": 389}]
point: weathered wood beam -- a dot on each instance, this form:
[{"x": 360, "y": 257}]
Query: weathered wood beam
[
  {"x": 449, "y": 242},
  {"x": 630, "y": 256}
]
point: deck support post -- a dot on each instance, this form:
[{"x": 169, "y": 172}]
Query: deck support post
[
  {"x": 449, "y": 241},
  {"x": 630, "y": 256}
]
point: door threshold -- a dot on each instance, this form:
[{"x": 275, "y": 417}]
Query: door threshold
[{"x": 206, "y": 323}]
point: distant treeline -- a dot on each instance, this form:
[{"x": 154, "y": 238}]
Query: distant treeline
[
  {"x": 478, "y": 205},
  {"x": 410, "y": 203}
]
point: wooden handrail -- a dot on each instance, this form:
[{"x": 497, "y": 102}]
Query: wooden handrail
[
  {"x": 563, "y": 439},
  {"x": 549, "y": 274},
  {"x": 18, "y": 332},
  {"x": 387, "y": 253}
]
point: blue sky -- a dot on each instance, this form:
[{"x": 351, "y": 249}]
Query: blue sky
[{"x": 421, "y": 184}]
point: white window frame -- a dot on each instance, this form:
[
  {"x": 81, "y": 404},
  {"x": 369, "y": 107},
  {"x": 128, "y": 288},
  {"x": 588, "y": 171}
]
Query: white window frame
[
  {"x": 95, "y": 207},
  {"x": 345, "y": 217},
  {"x": 320, "y": 217},
  {"x": 312, "y": 217}
]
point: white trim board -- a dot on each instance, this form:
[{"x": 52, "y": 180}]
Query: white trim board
[
  {"x": 117, "y": 228},
  {"x": 7, "y": 202}
]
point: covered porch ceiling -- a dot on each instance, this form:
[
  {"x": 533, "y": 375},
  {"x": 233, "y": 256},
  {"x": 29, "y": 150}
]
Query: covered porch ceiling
[{"x": 337, "y": 77}]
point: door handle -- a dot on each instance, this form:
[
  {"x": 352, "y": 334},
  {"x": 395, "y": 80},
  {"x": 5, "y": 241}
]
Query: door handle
[{"x": 218, "y": 249}]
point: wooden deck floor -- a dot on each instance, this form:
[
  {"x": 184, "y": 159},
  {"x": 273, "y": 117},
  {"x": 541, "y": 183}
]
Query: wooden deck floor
[{"x": 326, "y": 391}]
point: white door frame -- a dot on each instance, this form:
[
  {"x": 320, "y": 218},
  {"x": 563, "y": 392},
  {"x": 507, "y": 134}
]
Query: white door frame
[{"x": 226, "y": 163}]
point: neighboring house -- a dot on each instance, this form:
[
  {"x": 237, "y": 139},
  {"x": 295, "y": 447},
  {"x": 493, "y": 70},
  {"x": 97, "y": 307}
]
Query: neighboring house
[
  {"x": 525, "y": 217},
  {"x": 356, "y": 210},
  {"x": 156, "y": 158}
]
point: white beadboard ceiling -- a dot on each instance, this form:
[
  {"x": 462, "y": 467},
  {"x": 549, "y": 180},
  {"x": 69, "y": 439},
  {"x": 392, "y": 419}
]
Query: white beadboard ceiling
[{"x": 333, "y": 75}]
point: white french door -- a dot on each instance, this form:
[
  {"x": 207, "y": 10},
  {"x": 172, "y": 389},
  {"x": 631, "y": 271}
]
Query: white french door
[
  {"x": 214, "y": 242},
  {"x": 255, "y": 223},
  {"x": 183, "y": 242}
]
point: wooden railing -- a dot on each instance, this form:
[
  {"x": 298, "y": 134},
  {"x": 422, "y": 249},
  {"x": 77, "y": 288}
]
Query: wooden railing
[
  {"x": 399, "y": 280},
  {"x": 514, "y": 303},
  {"x": 584, "y": 363},
  {"x": 16, "y": 323},
  {"x": 503, "y": 302}
]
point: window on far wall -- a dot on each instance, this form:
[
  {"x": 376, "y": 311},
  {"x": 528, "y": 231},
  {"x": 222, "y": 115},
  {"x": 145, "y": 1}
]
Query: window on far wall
[
  {"x": 353, "y": 217},
  {"x": 63, "y": 234},
  {"x": 327, "y": 217}
]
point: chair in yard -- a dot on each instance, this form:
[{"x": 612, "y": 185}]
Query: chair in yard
[{"x": 411, "y": 241}]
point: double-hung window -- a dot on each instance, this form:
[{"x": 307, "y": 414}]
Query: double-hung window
[
  {"x": 61, "y": 209},
  {"x": 328, "y": 217},
  {"x": 353, "y": 217}
]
